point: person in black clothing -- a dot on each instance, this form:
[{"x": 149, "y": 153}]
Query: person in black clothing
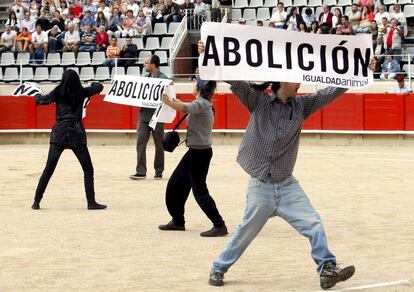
[
  {"x": 58, "y": 21},
  {"x": 43, "y": 21},
  {"x": 129, "y": 52},
  {"x": 68, "y": 132},
  {"x": 172, "y": 12}
]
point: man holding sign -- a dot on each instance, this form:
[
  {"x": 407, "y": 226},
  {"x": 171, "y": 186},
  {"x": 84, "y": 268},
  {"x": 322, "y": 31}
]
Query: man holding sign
[
  {"x": 151, "y": 65},
  {"x": 269, "y": 149}
]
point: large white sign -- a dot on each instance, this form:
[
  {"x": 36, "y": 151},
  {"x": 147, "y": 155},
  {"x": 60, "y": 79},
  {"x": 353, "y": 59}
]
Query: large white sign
[
  {"x": 242, "y": 52},
  {"x": 137, "y": 91}
]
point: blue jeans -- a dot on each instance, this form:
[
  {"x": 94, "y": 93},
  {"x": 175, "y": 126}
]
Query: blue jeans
[{"x": 286, "y": 200}]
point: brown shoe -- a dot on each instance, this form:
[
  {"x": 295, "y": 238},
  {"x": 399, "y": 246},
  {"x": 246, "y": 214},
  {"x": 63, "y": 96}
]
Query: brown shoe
[{"x": 171, "y": 227}]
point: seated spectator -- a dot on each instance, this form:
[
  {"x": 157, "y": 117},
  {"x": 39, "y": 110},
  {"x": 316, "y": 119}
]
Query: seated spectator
[
  {"x": 199, "y": 14},
  {"x": 345, "y": 28},
  {"x": 132, "y": 5},
  {"x": 171, "y": 12},
  {"x": 308, "y": 17},
  {"x": 147, "y": 9},
  {"x": 75, "y": 8},
  {"x": 89, "y": 7},
  {"x": 58, "y": 21},
  {"x": 18, "y": 8},
  {"x": 315, "y": 27},
  {"x": 129, "y": 53},
  {"x": 303, "y": 27},
  {"x": 374, "y": 30},
  {"x": 46, "y": 9},
  {"x": 159, "y": 12},
  {"x": 401, "y": 88},
  {"x": 102, "y": 21},
  {"x": 34, "y": 10},
  {"x": 242, "y": 21},
  {"x": 87, "y": 20},
  {"x": 293, "y": 19},
  {"x": 382, "y": 28},
  {"x": 13, "y": 22},
  {"x": 43, "y": 21},
  {"x": 389, "y": 68},
  {"x": 88, "y": 40},
  {"x": 259, "y": 23},
  {"x": 104, "y": 9},
  {"x": 400, "y": 17},
  {"x": 325, "y": 19},
  {"x": 112, "y": 53},
  {"x": 115, "y": 24},
  {"x": 369, "y": 3},
  {"x": 63, "y": 9},
  {"x": 336, "y": 19},
  {"x": 354, "y": 16},
  {"x": 215, "y": 11},
  {"x": 128, "y": 25},
  {"x": 279, "y": 16},
  {"x": 55, "y": 43},
  {"x": 367, "y": 16},
  {"x": 72, "y": 40},
  {"x": 23, "y": 40},
  {"x": 7, "y": 40},
  {"x": 143, "y": 25},
  {"x": 393, "y": 39},
  {"x": 381, "y": 14},
  {"x": 28, "y": 23},
  {"x": 72, "y": 20},
  {"x": 379, "y": 53},
  {"x": 102, "y": 40},
  {"x": 38, "y": 47}
]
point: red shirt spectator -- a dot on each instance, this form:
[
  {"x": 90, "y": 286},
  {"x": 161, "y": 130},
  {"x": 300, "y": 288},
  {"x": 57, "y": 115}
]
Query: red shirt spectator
[
  {"x": 102, "y": 39},
  {"x": 77, "y": 10}
]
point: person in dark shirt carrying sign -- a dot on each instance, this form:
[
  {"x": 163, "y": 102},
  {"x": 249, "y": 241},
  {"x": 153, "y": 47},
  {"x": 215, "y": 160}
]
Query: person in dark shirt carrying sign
[
  {"x": 268, "y": 154},
  {"x": 68, "y": 132}
]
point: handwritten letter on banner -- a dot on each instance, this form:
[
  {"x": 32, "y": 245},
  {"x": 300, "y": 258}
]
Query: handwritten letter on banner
[
  {"x": 141, "y": 92},
  {"x": 242, "y": 52}
]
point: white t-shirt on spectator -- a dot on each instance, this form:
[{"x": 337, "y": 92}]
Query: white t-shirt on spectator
[
  {"x": 63, "y": 12},
  {"x": 39, "y": 38},
  {"x": 74, "y": 22},
  {"x": 8, "y": 38},
  {"x": 277, "y": 17},
  {"x": 135, "y": 9},
  {"x": 29, "y": 24},
  {"x": 405, "y": 89},
  {"x": 19, "y": 10},
  {"x": 72, "y": 37},
  {"x": 378, "y": 17}
]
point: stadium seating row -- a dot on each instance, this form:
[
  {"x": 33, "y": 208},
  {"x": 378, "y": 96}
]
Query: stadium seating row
[{"x": 311, "y": 3}]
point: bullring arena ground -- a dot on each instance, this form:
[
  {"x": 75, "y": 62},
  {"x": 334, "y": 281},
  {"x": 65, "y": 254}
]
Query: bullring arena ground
[{"x": 363, "y": 191}]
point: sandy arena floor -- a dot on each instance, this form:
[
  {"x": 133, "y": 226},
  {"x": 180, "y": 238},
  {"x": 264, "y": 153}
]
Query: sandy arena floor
[{"x": 365, "y": 196}]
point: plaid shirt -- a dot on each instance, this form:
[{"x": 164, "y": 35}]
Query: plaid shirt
[{"x": 271, "y": 141}]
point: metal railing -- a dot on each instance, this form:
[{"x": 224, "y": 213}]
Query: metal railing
[{"x": 176, "y": 42}]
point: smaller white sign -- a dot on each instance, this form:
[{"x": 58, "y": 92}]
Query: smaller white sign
[
  {"x": 164, "y": 113},
  {"x": 27, "y": 89}
]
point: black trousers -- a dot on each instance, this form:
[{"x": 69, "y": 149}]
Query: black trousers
[
  {"x": 191, "y": 173},
  {"x": 82, "y": 153}
]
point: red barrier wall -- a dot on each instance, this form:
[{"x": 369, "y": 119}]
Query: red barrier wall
[{"x": 393, "y": 112}]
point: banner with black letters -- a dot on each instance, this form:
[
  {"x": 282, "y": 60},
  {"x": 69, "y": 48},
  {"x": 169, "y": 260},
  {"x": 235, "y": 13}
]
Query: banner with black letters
[
  {"x": 27, "y": 89},
  {"x": 242, "y": 52}
]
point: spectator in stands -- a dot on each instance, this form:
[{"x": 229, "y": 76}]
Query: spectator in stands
[
  {"x": 72, "y": 20},
  {"x": 226, "y": 5},
  {"x": 379, "y": 52},
  {"x": 28, "y": 23},
  {"x": 87, "y": 20},
  {"x": 18, "y": 9},
  {"x": 242, "y": 21},
  {"x": 102, "y": 39},
  {"x": 279, "y": 16},
  {"x": 132, "y": 5},
  {"x": 152, "y": 67},
  {"x": 128, "y": 25},
  {"x": 367, "y": 16},
  {"x": 112, "y": 53},
  {"x": 393, "y": 39},
  {"x": 303, "y": 27},
  {"x": 102, "y": 21},
  {"x": 381, "y": 14},
  {"x": 271, "y": 24},
  {"x": 7, "y": 40},
  {"x": 122, "y": 5},
  {"x": 336, "y": 19},
  {"x": 43, "y": 21},
  {"x": 147, "y": 9},
  {"x": 129, "y": 53},
  {"x": 308, "y": 17},
  {"x": 89, "y": 7},
  {"x": 171, "y": 12},
  {"x": 345, "y": 28},
  {"x": 369, "y": 3},
  {"x": 38, "y": 47},
  {"x": 374, "y": 30},
  {"x": 55, "y": 43},
  {"x": 33, "y": 10},
  {"x": 159, "y": 12},
  {"x": 315, "y": 27},
  {"x": 354, "y": 16},
  {"x": 382, "y": 29},
  {"x": 208, "y": 9},
  {"x": 402, "y": 88},
  {"x": 23, "y": 41},
  {"x": 76, "y": 9},
  {"x": 199, "y": 14},
  {"x": 259, "y": 23},
  {"x": 389, "y": 68},
  {"x": 399, "y": 15},
  {"x": 72, "y": 40},
  {"x": 143, "y": 25},
  {"x": 293, "y": 19},
  {"x": 105, "y": 9},
  {"x": 46, "y": 9},
  {"x": 215, "y": 11},
  {"x": 58, "y": 21},
  {"x": 88, "y": 40},
  {"x": 13, "y": 22},
  {"x": 63, "y": 9},
  {"x": 115, "y": 23},
  {"x": 187, "y": 5},
  {"x": 325, "y": 19}
]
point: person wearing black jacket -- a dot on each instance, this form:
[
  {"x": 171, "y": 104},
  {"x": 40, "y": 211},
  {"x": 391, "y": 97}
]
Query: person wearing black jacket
[
  {"x": 68, "y": 132},
  {"x": 293, "y": 19},
  {"x": 172, "y": 12},
  {"x": 43, "y": 21},
  {"x": 129, "y": 52},
  {"x": 58, "y": 21}
]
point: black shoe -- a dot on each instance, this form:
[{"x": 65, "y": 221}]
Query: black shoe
[
  {"x": 137, "y": 176},
  {"x": 216, "y": 278},
  {"x": 171, "y": 226},
  {"x": 36, "y": 205},
  {"x": 96, "y": 206},
  {"x": 215, "y": 232},
  {"x": 158, "y": 176},
  {"x": 332, "y": 274}
]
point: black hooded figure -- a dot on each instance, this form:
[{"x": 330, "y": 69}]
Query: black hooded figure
[{"x": 68, "y": 132}]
